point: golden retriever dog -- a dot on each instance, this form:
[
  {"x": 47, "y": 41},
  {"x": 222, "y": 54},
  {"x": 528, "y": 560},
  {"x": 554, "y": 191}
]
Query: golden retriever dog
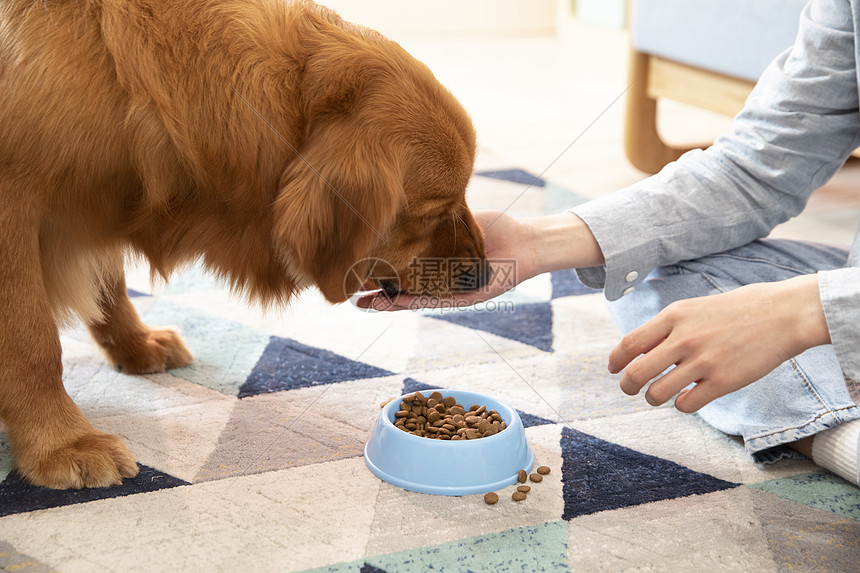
[{"x": 278, "y": 144}]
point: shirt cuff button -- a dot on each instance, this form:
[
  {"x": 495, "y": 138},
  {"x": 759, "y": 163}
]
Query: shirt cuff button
[
  {"x": 627, "y": 291},
  {"x": 631, "y": 276}
]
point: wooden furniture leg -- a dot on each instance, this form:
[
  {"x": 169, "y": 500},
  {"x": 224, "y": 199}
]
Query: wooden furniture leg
[{"x": 644, "y": 147}]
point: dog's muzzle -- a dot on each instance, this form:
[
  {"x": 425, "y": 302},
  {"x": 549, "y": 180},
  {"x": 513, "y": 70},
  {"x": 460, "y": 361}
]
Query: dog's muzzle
[{"x": 476, "y": 277}]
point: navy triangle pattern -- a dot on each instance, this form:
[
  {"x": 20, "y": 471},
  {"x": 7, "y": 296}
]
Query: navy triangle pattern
[
  {"x": 566, "y": 283},
  {"x": 530, "y": 420},
  {"x": 529, "y": 323},
  {"x": 411, "y": 385},
  {"x": 514, "y": 176},
  {"x": 286, "y": 365},
  {"x": 18, "y": 496},
  {"x": 599, "y": 476}
]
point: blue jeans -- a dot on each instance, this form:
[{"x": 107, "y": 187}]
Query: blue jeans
[{"x": 801, "y": 397}]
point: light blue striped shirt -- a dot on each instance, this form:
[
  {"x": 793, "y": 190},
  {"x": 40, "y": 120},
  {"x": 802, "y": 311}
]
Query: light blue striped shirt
[{"x": 799, "y": 125}]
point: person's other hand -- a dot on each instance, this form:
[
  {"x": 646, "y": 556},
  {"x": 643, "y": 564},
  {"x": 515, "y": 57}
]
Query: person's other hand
[{"x": 721, "y": 342}]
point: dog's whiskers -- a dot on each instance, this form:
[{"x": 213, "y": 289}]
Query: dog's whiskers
[{"x": 454, "y": 218}]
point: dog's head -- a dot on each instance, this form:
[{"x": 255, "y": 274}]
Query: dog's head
[{"x": 376, "y": 190}]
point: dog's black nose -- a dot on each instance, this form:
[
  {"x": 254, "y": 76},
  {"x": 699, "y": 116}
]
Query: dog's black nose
[
  {"x": 475, "y": 277},
  {"x": 390, "y": 288}
]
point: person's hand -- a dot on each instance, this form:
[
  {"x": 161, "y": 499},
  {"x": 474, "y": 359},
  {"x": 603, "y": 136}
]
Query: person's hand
[
  {"x": 721, "y": 342},
  {"x": 506, "y": 243},
  {"x": 517, "y": 249}
]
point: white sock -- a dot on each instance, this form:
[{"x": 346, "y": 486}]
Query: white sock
[{"x": 838, "y": 450}]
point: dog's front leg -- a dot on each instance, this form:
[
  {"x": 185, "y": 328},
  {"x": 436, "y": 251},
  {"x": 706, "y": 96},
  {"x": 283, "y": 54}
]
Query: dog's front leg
[
  {"x": 130, "y": 345},
  {"x": 53, "y": 443}
]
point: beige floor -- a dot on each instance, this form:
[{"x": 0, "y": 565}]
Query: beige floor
[{"x": 555, "y": 106}]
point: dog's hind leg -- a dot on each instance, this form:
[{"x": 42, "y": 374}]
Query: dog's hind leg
[
  {"x": 129, "y": 344},
  {"x": 53, "y": 443}
]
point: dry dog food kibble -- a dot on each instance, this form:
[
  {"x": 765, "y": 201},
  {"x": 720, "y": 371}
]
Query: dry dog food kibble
[
  {"x": 441, "y": 418},
  {"x": 522, "y": 490}
]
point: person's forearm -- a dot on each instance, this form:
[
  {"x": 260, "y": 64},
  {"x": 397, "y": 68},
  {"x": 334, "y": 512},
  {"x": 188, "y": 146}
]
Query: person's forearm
[{"x": 564, "y": 241}]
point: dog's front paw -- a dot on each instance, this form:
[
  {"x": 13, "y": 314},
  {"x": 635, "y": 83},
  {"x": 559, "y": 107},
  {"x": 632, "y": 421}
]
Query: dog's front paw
[
  {"x": 95, "y": 459},
  {"x": 153, "y": 351}
]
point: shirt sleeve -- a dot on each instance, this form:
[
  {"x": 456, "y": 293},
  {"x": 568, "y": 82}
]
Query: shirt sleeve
[
  {"x": 840, "y": 296},
  {"x": 798, "y": 127}
]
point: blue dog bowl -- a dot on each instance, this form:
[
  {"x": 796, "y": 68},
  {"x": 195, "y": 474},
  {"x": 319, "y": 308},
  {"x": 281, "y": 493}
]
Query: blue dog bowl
[{"x": 441, "y": 467}]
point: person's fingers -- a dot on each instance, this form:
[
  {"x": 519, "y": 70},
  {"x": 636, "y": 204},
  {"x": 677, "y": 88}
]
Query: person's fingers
[
  {"x": 690, "y": 385},
  {"x": 692, "y": 399},
  {"x": 681, "y": 395},
  {"x": 647, "y": 367},
  {"x": 637, "y": 342},
  {"x": 383, "y": 302},
  {"x": 670, "y": 384},
  {"x": 365, "y": 301},
  {"x": 379, "y": 301}
]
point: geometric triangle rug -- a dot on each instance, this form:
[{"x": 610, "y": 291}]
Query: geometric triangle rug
[
  {"x": 288, "y": 365},
  {"x": 599, "y": 475},
  {"x": 819, "y": 489},
  {"x": 566, "y": 283},
  {"x": 514, "y": 176},
  {"x": 18, "y": 496},
  {"x": 531, "y": 548},
  {"x": 529, "y": 323}
]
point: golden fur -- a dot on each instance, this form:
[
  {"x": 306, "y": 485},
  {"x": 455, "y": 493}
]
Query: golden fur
[{"x": 270, "y": 139}]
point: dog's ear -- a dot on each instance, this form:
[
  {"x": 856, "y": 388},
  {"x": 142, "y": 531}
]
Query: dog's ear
[{"x": 339, "y": 197}]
